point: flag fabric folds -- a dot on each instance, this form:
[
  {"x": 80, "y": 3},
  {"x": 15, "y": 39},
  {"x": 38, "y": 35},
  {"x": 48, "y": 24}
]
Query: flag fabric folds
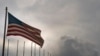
[{"x": 19, "y": 28}]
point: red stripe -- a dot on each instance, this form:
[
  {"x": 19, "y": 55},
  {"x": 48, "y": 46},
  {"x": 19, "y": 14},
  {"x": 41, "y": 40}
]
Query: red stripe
[
  {"x": 26, "y": 31},
  {"x": 15, "y": 25},
  {"x": 23, "y": 27},
  {"x": 17, "y": 28},
  {"x": 21, "y": 34},
  {"x": 29, "y": 34},
  {"x": 31, "y": 27}
]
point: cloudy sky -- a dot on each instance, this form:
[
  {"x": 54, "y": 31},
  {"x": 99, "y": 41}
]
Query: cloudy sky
[{"x": 69, "y": 27}]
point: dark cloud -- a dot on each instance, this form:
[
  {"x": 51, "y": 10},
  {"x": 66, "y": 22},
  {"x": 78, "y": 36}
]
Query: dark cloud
[{"x": 75, "y": 47}]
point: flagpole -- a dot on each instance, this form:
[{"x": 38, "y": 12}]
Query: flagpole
[
  {"x": 8, "y": 48},
  {"x": 39, "y": 51},
  {"x": 24, "y": 49},
  {"x": 48, "y": 53},
  {"x": 43, "y": 52},
  {"x": 3, "y": 47},
  {"x": 17, "y": 47},
  {"x": 34, "y": 49},
  {"x": 31, "y": 48}
]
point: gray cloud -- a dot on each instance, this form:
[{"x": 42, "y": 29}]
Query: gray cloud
[
  {"x": 75, "y": 47},
  {"x": 76, "y": 18}
]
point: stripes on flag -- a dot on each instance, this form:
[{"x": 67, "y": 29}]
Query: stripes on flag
[{"x": 18, "y": 28}]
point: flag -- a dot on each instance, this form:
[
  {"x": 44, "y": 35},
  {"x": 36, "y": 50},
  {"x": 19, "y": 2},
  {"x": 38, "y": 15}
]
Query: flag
[{"x": 19, "y": 28}]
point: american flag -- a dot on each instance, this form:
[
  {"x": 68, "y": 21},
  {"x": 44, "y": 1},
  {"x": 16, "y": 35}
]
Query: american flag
[{"x": 19, "y": 28}]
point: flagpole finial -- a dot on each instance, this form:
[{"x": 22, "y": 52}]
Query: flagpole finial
[{"x": 6, "y": 7}]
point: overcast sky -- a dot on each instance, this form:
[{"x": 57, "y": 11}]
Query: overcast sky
[{"x": 68, "y": 26}]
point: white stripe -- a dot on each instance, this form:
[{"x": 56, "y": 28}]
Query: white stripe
[
  {"x": 19, "y": 33},
  {"x": 34, "y": 30},
  {"x": 15, "y": 28}
]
